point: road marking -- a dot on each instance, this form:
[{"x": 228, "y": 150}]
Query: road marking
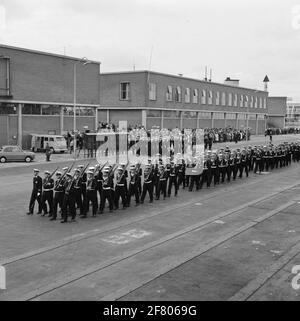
[
  {"x": 219, "y": 222},
  {"x": 126, "y": 237}
]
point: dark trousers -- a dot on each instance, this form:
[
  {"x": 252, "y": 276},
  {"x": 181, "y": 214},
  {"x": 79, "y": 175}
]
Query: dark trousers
[
  {"x": 266, "y": 163},
  {"x": 194, "y": 179},
  {"x": 147, "y": 188},
  {"x": 120, "y": 191},
  {"x": 223, "y": 173},
  {"x": 229, "y": 170},
  {"x": 241, "y": 169},
  {"x": 234, "y": 171},
  {"x": 181, "y": 179},
  {"x": 34, "y": 197},
  {"x": 206, "y": 177},
  {"x": 78, "y": 200},
  {"x": 91, "y": 196},
  {"x": 133, "y": 190},
  {"x": 106, "y": 195},
  {"x": 161, "y": 188},
  {"x": 216, "y": 175},
  {"x": 173, "y": 181},
  {"x": 69, "y": 207},
  {"x": 47, "y": 197},
  {"x": 57, "y": 201}
]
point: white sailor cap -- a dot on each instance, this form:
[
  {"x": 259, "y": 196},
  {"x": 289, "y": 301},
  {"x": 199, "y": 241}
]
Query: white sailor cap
[
  {"x": 90, "y": 172},
  {"x": 65, "y": 168},
  {"x": 58, "y": 173},
  {"x": 91, "y": 168},
  {"x": 47, "y": 172},
  {"x": 36, "y": 170}
]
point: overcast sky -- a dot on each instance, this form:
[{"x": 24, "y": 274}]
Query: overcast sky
[{"x": 244, "y": 39}]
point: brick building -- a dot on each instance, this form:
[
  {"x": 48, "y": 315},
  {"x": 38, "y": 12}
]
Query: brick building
[
  {"x": 36, "y": 94},
  {"x": 277, "y": 108},
  {"x": 156, "y": 99}
]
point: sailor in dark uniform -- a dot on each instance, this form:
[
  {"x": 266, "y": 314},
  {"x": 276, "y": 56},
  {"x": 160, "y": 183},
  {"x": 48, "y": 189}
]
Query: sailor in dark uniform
[{"x": 36, "y": 193}]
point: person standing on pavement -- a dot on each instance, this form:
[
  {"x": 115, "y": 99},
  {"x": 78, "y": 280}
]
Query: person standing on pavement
[
  {"x": 36, "y": 194},
  {"x": 48, "y": 153}
]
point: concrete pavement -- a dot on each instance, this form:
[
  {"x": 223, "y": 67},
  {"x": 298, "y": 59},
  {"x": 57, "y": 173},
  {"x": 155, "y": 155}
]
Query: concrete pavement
[{"x": 213, "y": 244}]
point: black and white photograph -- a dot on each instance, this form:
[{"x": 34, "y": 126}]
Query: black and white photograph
[{"x": 149, "y": 153}]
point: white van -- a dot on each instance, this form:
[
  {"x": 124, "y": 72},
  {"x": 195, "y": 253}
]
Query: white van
[{"x": 56, "y": 143}]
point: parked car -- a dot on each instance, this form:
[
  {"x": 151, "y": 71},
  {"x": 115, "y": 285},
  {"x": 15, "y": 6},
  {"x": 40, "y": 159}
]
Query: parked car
[{"x": 15, "y": 153}]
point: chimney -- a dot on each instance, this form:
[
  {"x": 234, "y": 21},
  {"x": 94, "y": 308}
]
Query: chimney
[{"x": 232, "y": 82}]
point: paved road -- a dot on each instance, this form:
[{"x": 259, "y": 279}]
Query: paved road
[{"x": 238, "y": 241}]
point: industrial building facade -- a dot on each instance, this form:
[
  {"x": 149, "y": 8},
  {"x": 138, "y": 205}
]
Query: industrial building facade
[
  {"x": 156, "y": 99},
  {"x": 37, "y": 96}
]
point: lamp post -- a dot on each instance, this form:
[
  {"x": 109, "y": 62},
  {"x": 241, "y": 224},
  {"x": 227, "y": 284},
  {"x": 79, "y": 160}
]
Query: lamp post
[{"x": 84, "y": 61}]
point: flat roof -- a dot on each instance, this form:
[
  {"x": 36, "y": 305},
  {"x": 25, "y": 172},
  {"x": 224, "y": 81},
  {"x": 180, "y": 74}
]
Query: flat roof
[
  {"x": 45, "y": 53},
  {"x": 181, "y": 77}
]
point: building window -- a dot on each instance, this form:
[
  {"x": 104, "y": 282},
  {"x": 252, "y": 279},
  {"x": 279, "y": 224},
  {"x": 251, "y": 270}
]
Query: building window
[
  {"x": 189, "y": 114},
  {"x": 217, "y": 98},
  {"x": 152, "y": 91},
  {"x": 219, "y": 116},
  {"x": 260, "y": 117},
  {"x": 7, "y": 109},
  {"x": 251, "y": 101},
  {"x": 195, "y": 96},
  {"x": 50, "y": 110},
  {"x": 265, "y": 103},
  {"x": 86, "y": 111},
  {"x": 241, "y": 101},
  {"x": 230, "y": 99},
  {"x": 174, "y": 114},
  {"x": 230, "y": 116},
  {"x": 124, "y": 90},
  {"x": 241, "y": 116},
  {"x": 169, "y": 94},
  {"x": 204, "y": 115},
  {"x": 154, "y": 113},
  {"x": 246, "y": 101},
  {"x": 187, "y": 95},
  {"x": 251, "y": 117},
  {"x": 223, "y": 99},
  {"x": 255, "y": 102},
  {"x": 210, "y": 97},
  {"x": 260, "y": 102},
  {"x": 80, "y": 111},
  {"x": 178, "y": 94},
  {"x": 31, "y": 109},
  {"x": 235, "y": 100},
  {"x": 203, "y": 97}
]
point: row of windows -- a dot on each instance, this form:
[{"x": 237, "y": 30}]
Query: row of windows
[
  {"x": 221, "y": 98},
  {"x": 206, "y": 96},
  {"x": 202, "y": 115},
  {"x": 37, "y": 109}
]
